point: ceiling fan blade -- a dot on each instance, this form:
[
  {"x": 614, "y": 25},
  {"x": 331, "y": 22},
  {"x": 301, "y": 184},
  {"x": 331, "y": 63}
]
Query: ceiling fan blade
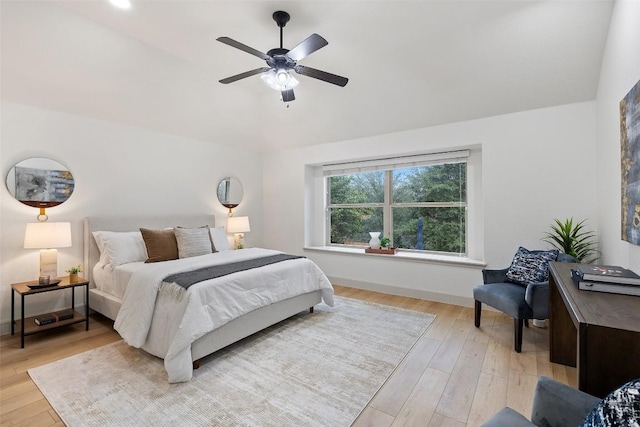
[
  {"x": 287, "y": 95},
  {"x": 321, "y": 75},
  {"x": 307, "y": 46},
  {"x": 244, "y": 75},
  {"x": 243, "y": 47}
]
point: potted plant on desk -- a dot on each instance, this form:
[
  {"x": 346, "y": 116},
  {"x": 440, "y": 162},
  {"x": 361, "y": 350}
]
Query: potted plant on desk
[{"x": 573, "y": 239}]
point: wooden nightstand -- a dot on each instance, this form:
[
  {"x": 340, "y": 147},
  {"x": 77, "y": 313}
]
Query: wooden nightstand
[{"x": 28, "y": 326}]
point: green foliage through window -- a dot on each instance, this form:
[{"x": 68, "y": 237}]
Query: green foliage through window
[{"x": 418, "y": 208}]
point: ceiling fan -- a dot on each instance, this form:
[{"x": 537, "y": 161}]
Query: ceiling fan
[{"x": 281, "y": 61}]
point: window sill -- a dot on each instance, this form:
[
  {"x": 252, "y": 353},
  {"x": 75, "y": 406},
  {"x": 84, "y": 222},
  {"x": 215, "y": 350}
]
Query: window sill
[{"x": 401, "y": 256}]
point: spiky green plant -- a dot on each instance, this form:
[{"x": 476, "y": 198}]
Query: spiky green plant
[{"x": 573, "y": 239}]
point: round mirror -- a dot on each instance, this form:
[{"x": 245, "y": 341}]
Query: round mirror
[
  {"x": 40, "y": 182},
  {"x": 230, "y": 193}
]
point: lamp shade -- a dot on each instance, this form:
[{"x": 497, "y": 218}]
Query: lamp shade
[
  {"x": 47, "y": 235},
  {"x": 238, "y": 224}
]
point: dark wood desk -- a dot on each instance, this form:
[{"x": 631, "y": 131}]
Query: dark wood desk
[{"x": 597, "y": 332}]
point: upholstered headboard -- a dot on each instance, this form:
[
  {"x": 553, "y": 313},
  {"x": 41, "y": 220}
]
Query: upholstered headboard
[{"x": 123, "y": 223}]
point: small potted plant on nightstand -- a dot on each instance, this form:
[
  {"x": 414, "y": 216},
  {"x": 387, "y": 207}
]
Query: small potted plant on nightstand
[{"x": 73, "y": 273}]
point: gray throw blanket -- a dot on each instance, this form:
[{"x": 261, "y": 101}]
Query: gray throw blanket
[{"x": 188, "y": 278}]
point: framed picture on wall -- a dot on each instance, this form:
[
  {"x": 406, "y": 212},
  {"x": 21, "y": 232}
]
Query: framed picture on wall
[
  {"x": 630, "y": 159},
  {"x": 42, "y": 187}
]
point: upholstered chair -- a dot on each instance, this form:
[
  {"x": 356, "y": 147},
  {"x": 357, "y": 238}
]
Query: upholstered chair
[
  {"x": 521, "y": 291},
  {"x": 558, "y": 405}
]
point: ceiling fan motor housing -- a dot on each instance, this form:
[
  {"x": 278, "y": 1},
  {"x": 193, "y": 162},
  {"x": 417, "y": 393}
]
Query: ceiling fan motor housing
[{"x": 279, "y": 59}]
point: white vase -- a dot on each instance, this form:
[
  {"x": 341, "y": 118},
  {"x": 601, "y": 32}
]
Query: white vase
[{"x": 374, "y": 243}]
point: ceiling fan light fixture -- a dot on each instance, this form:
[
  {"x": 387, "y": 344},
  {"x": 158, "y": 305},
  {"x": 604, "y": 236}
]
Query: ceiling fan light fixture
[
  {"x": 282, "y": 77},
  {"x": 279, "y": 80}
]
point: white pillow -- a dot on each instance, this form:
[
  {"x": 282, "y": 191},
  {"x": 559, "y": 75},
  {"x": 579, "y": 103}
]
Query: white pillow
[
  {"x": 117, "y": 248},
  {"x": 220, "y": 239},
  {"x": 193, "y": 241}
]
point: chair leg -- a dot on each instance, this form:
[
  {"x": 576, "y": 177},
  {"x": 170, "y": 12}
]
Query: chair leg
[
  {"x": 517, "y": 326},
  {"x": 478, "y": 312}
]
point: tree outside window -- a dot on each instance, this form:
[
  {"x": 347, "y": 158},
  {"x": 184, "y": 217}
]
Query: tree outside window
[{"x": 419, "y": 208}]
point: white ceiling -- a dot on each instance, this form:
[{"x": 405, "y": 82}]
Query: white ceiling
[{"x": 410, "y": 64}]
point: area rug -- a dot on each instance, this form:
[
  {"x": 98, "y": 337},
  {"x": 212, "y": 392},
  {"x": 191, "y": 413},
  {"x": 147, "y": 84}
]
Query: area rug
[{"x": 316, "y": 369}]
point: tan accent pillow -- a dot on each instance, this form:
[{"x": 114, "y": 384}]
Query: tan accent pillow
[{"x": 161, "y": 244}]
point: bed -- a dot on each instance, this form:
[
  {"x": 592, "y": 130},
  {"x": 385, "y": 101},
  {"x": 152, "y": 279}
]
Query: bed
[{"x": 184, "y": 325}]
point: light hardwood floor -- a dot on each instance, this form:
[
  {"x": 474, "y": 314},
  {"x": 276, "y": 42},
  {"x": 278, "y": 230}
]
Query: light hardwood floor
[{"x": 456, "y": 374}]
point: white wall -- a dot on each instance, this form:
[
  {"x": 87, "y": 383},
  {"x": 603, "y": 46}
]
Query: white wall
[
  {"x": 118, "y": 170},
  {"x": 620, "y": 72},
  {"x": 533, "y": 170}
]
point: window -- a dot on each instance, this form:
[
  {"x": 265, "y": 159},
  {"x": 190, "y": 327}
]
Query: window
[{"x": 419, "y": 202}]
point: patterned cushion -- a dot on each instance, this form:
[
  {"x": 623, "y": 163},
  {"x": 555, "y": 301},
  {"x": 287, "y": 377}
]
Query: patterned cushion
[
  {"x": 193, "y": 241},
  {"x": 620, "y": 408},
  {"x": 530, "y": 266}
]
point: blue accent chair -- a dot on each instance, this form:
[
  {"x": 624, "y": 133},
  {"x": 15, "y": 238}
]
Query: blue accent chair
[
  {"x": 554, "y": 405},
  {"x": 520, "y": 302},
  {"x": 557, "y": 405}
]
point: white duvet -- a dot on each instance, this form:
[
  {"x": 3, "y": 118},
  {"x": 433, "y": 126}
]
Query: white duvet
[{"x": 208, "y": 305}]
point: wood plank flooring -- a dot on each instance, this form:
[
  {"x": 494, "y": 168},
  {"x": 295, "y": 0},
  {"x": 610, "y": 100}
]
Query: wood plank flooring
[{"x": 456, "y": 374}]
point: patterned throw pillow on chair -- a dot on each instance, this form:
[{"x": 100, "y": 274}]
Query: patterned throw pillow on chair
[
  {"x": 531, "y": 266},
  {"x": 620, "y": 408}
]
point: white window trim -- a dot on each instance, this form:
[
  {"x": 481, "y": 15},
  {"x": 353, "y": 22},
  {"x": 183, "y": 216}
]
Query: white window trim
[
  {"x": 315, "y": 205},
  {"x": 333, "y": 169},
  {"x": 388, "y": 165},
  {"x": 407, "y": 256}
]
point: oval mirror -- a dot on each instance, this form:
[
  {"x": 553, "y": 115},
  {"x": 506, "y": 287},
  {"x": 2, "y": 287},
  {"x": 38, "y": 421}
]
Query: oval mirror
[
  {"x": 40, "y": 182},
  {"x": 230, "y": 193}
]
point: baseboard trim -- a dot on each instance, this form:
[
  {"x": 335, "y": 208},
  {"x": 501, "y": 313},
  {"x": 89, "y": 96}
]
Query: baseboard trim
[{"x": 403, "y": 292}]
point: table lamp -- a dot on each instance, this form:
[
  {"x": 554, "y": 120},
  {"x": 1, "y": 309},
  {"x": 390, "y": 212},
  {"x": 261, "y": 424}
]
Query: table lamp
[
  {"x": 47, "y": 236},
  {"x": 238, "y": 225}
]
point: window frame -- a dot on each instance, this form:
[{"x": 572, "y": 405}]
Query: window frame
[{"x": 388, "y": 166}]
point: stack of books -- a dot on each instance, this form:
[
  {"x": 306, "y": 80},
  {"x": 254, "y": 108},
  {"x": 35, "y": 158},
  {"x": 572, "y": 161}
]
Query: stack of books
[
  {"x": 606, "y": 278},
  {"x": 46, "y": 319}
]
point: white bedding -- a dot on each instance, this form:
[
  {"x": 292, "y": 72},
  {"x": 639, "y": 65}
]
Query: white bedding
[
  {"x": 207, "y": 305},
  {"x": 113, "y": 280}
]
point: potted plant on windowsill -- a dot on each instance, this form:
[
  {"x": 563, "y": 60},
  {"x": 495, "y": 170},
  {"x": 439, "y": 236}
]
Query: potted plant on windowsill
[{"x": 385, "y": 248}]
